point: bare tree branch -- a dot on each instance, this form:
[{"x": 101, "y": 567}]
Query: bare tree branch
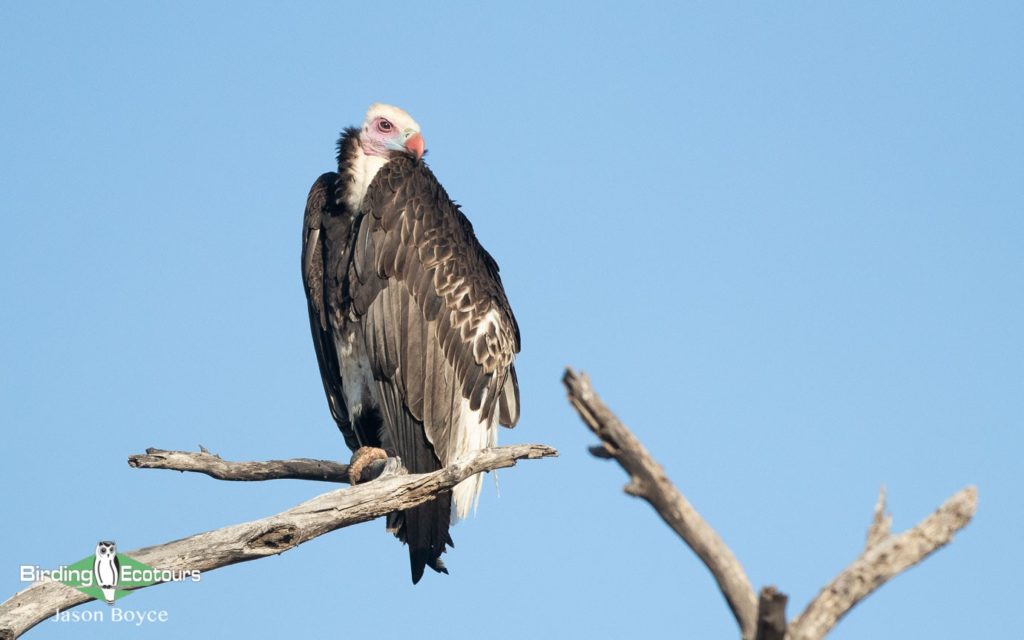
[
  {"x": 881, "y": 524},
  {"x": 884, "y": 557},
  {"x": 274, "y": 534},
  {"x": 648, "y": 481},
  {"x": 215, "y": 467}
]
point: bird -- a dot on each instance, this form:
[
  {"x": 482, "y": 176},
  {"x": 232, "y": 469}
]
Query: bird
[
  {"x": 106, "y": 569},
  {"x": 414, "y": 335}
]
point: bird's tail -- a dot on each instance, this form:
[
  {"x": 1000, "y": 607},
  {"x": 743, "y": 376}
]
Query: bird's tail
[{"x": 425, "y": 530}]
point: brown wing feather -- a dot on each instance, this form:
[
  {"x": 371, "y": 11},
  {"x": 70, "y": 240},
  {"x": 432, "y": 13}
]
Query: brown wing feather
[
  {"x": 314, "y": 236},
  {"x": 443, "y": 329}
]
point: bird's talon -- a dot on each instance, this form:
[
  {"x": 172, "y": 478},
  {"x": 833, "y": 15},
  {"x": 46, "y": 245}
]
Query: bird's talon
[{"x": 362, "y": 457}]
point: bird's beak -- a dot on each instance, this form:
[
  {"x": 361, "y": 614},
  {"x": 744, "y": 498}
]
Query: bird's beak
[{"x": 414, "y": 144}]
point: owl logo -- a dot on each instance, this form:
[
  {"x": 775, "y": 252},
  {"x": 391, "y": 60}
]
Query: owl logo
[{"x": 106, "y": 569}]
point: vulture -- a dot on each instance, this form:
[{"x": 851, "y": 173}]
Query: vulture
[{"x": 413, "y": 333}]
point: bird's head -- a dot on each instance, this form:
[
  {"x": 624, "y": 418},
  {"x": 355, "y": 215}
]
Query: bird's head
[{"x": 388, "y": 129}]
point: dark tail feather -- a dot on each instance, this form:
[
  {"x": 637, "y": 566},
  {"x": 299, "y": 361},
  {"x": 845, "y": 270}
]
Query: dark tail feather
[{"x": 425, "y": 530}]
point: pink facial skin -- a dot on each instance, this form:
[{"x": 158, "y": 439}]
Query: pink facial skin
[{"x": 380, "y": 137}]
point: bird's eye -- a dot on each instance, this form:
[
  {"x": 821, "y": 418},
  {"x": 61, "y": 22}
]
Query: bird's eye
[{"x": 384, "y": 126}]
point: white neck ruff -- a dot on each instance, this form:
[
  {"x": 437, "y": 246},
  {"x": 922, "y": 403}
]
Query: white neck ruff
[{"x": 361, "y": 172}]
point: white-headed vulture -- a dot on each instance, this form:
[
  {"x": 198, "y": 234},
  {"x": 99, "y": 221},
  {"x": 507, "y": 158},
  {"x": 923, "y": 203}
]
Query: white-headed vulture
[{"x": 413, "y": 333}]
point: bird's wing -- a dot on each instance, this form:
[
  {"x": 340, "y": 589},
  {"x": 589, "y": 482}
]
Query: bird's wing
[
  {"x": 439, "y": 331},
  {"x": 315, "y": 239}
]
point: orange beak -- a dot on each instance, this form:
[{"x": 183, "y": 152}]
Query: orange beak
[{"x": 415, "y": 145}]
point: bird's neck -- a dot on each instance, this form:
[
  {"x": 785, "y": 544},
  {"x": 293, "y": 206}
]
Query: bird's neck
[{"x": 360, "y": 169}]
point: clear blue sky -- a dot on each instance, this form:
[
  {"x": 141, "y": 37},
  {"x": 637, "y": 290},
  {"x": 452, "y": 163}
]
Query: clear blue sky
[{"x": 786, "y": 242}]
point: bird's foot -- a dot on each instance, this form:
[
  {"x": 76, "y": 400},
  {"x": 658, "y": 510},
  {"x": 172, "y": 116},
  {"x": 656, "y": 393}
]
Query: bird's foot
[{"x": 360, "y": 459}]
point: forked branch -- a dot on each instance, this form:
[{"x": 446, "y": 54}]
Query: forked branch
[{"x": 884, "y": 556}]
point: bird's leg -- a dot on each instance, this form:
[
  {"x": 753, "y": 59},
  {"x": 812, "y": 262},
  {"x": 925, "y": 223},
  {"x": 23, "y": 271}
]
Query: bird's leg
[{"x": 362, "y": 457}]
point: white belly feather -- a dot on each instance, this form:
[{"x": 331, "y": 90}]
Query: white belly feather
[{"x": 356, "y": 376}]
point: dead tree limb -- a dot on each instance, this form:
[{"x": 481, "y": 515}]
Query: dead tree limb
[
  {"x": 884, "y": 556},
  {"x": 648, "y": 481},
  {"x": 881, "y": 524},
  {"x": 274, "y": 534},
  {"x": 214, "y": 466}
]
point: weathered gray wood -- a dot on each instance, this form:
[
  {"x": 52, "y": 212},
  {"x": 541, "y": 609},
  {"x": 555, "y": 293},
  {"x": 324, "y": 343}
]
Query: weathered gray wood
[
  {"x": 884, "y": 555},
  {"x": 883, "y": 559},
  {"x": 216, "y": 467},
  {"x": 648, "y": 481},
  {"x": 274, "y": 534},
  {"x": 881, "y": 524}
]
